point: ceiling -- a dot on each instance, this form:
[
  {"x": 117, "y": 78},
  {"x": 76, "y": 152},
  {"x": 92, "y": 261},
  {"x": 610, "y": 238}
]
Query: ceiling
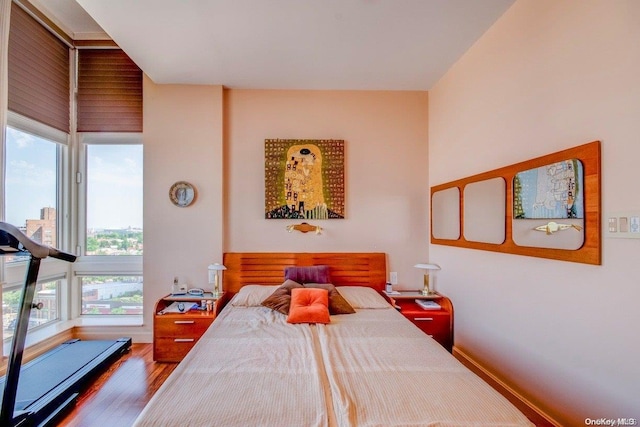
[{"x": 285, "y": 44}]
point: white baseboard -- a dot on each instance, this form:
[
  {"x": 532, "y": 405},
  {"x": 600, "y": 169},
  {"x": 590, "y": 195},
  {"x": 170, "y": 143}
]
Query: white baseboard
[{"x": 533, "y": 412}]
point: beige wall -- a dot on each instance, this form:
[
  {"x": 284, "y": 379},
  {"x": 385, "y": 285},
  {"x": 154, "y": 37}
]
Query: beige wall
[
  {"x": 549, "y": 75},
  {"x": 182, "y": 142},
  {"x": 385, "y": 137}
]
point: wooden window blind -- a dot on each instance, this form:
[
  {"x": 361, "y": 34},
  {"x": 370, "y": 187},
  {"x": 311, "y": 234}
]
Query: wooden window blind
[
  {"x": 109, "y": 92},
  {"x": 38, "y": 72}
]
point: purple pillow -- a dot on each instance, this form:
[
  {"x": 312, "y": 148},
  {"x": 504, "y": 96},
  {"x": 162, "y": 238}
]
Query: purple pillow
[{"x": 311, "y": 274}]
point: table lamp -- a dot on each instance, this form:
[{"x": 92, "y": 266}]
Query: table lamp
[
  {"x": 429, "y": 269},
  {"x": 214, "y": 277}
]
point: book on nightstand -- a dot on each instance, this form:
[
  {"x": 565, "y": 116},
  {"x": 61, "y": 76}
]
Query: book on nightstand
[{"x": 428, "y": 304}]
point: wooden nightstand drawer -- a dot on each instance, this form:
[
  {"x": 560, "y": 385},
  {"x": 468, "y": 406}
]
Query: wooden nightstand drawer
[
  {"x": 429, "y": 323},
  {"x": 436, "y": 323},
  {"x": 173, "y": 326},
  {"x": 175, "y": 334}
]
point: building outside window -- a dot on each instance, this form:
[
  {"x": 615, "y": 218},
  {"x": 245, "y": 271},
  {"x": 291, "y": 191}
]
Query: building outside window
[{"x": 112, "y": 295}]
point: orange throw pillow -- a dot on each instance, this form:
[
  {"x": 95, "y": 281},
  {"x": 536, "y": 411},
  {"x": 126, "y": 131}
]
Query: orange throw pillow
[{"x": 309, "y": 305}]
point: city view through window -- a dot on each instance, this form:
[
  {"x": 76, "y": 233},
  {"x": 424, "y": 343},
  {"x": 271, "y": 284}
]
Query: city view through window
[
  {"x": 114, "y": 227},
  {"x": 114, "y": 222}
]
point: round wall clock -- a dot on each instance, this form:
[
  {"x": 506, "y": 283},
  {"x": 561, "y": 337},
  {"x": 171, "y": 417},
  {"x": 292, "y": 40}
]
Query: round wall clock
[{"x": 182, "y": 194}]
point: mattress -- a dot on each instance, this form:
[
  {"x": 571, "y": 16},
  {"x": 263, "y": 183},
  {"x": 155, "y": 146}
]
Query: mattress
[{"x": 371, "y": 368}]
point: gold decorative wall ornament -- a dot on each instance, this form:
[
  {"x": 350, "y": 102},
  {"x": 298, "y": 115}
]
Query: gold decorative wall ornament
[
  {"x": 304, "y": 228},
  {"x": 551, "y": 227}
]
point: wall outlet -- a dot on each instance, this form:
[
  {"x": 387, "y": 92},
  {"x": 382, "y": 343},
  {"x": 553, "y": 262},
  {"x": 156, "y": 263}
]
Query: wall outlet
[{"x": 393, "y": 277}]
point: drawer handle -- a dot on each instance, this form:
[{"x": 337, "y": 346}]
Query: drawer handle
[
  {"x": 184, "y": 340},
  {"x": 184, "y": 322},
  {"x": 428, "y": 319}
]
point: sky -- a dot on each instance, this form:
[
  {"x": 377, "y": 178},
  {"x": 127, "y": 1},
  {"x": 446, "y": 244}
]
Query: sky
[{"x": 114, "y": 181}]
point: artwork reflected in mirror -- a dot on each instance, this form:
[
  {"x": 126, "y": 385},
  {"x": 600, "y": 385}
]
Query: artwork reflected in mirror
[
  {"x": 304, "y": 179},
  {"x": 548, "y": 206}
]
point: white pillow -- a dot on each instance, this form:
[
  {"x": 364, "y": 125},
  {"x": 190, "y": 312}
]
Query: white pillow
[
  {"x": 362, "y": 297},
  {"x": 252, "y": 295}
]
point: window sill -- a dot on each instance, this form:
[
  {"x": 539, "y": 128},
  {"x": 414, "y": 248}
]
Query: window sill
[{"x": 119, "y": 320}]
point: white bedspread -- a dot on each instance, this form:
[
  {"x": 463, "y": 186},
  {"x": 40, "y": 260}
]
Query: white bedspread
[
  {"x": 383, "y": 371},
  {"x": 372, "y": 368},
  {"x": 250, "y": 368}
]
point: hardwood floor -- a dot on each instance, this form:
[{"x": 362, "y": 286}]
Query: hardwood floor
[{"x": 118, "y": 395}]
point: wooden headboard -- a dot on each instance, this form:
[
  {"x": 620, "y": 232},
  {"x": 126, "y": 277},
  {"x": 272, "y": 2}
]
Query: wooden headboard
[{"x": 267, "y": 268}]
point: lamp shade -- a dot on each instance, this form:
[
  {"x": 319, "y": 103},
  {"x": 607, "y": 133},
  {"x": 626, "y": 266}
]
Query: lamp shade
[
  {"x": 429, "y": 269},
  {"x": 428, "y": 266},
  {"x": 213, "y": 270}
]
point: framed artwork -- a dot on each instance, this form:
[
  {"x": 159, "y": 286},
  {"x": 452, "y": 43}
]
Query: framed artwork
[
  {"x": 304, "y": 178},
  {"x": 182, "y": 194}
]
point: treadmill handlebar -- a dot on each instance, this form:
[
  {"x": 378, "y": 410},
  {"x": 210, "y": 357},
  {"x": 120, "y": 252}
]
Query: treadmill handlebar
[
  {"x": 64, "y": 256},
  {"x": 36, "y": 249}
]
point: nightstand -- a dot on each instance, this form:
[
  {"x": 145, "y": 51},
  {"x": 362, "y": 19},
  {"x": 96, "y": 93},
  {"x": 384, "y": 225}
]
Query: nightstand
[
  {"x": 174, "y": 334},
  {"x": 438, "y": 324}
]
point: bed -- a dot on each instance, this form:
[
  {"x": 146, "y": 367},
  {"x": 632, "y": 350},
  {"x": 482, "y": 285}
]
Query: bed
[{"x": 369, "y": 368}]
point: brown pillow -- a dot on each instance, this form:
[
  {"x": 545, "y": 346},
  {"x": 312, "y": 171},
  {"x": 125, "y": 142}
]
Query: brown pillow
[
  {"x": 337, "y": 304},
  {"x": 280, "y": 299},
  {"x": 309, "y": 306}
]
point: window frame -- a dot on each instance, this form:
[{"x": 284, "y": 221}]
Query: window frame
[
  {"x": 63, "y": 172},
  {"x": 96, "y": 265},
  {"x": 12, "y": 275}
]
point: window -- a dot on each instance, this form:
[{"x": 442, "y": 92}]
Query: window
[
  {"x": 34, "y": 173},
  {"x": 81, "y": 193},
  {"x": 109, "y": 272},
  {"x": 120, "y": 295},
  {"x": 114, "y": 200},
  {"x": 46, "y": 293},
  {"x": 31, "y": 183}
]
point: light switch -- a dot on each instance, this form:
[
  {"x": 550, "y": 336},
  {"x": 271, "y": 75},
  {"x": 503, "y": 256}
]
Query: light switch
[
  {"x": 393, "y": 277},
  {"x": 624, "y": 224}
]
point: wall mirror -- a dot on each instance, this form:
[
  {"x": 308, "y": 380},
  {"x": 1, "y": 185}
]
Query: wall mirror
[
  {"x": 445, "y": 214},
  {"x": 484, "y": 210},
  {"x": 546, "y": 207}
]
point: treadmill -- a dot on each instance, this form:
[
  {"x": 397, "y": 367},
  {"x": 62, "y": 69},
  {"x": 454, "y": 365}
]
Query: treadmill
[{"x": 38, "y": 392}]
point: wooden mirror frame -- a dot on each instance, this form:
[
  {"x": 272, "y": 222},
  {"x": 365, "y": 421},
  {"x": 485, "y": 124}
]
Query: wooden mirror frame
[{"x": 588, "y": 253}]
